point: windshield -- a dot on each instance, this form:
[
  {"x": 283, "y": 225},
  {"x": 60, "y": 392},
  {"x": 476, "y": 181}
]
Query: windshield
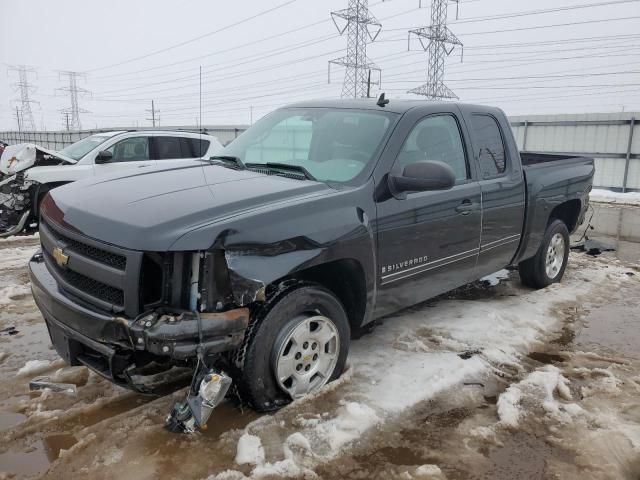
[
  {"x": 80, "y": 149},
  {"x": 332, "y": 145}
]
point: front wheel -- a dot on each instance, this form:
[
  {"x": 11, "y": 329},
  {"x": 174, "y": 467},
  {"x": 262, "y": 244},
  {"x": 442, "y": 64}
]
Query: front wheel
[
  {"x": 295, "y": 345},
  {"x": 549, "y": 263}
]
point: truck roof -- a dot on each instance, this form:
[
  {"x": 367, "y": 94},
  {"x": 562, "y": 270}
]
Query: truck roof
[{"x": 394, "y": 105}]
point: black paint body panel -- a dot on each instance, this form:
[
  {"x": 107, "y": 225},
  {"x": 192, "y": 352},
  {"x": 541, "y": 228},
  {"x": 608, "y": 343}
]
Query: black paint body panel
[{"x": 408, "y": 248}]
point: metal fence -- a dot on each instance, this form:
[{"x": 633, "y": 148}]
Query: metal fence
[
  {"x": 612, "y": 139},
  {"x": 59, "y": 140}
]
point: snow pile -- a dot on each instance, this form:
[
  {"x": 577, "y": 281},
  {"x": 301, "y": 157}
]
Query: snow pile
[
  {"x": 20, "y": 238},
  {"x": 250, "y": 450},
  {"x": 351, "y": 421},
  {"x": 9, "y": 294},
  {"x": 607, "y": 196},
  {"x": 539, "y": 388},
  {"x": 18, "y": 257},
  {"x": 34, "y": 367}
]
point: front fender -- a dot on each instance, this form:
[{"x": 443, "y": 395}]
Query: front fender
[{"x": 261, "y": 249}]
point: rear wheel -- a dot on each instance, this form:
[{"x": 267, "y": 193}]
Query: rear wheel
[
  {"x": 295, "y": 345},
  {"x": 549, "y": 263}
]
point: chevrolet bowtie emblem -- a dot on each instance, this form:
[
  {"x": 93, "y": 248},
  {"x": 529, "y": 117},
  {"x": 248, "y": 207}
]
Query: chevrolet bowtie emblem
[{"x": 60, "y": 257}]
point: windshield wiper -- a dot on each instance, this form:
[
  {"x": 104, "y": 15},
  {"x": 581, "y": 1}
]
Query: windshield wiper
[
  {"x": 284, "y": 166},
  {"x": 229, "y": 158}
]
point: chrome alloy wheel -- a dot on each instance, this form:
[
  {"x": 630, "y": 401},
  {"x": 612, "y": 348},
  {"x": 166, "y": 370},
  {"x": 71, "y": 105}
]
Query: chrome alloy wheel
[
  {"x": 555, "y": 256},
  {"x": 306, "y": 355}
]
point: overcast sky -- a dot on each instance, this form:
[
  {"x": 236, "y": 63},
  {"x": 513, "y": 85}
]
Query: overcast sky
[{"x": 131, "y": 53}]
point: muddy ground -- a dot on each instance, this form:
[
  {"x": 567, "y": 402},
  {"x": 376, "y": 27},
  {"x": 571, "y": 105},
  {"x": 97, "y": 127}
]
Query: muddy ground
[{"x": 488, "y": 382}]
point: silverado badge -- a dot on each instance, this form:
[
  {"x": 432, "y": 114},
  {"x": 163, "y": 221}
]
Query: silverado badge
[{"x": 60, "y": 257}]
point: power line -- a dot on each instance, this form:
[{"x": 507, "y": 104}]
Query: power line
[
  {"x": 529, "y": 13},
  {"x": 537, "y": 27},
  {"x": 195, "y": 39}
]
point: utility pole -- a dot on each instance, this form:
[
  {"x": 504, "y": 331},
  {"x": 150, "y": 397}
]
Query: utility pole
[
  {"x": 18, "y": 120},
  {"x": 438, "y": 41},
  {"x": 25, "y": 89},
  {"x": 153, "y": 113},
  {"x": 66, "y": 117},
  {"x": 74, "y": 91},
  {"x": 356, "y": 21}
]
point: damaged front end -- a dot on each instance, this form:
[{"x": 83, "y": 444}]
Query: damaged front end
[
  {"x": 15, "y": 204},
  {"x": 17, "y": 192}
]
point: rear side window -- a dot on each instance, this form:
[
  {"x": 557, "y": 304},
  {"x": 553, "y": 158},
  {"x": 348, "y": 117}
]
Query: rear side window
[
  {"x": 171, "y": 148},
  {"x": 167, "y": 148},
  {"x": 198, "y": 147},
  {"x": 490, "y": 148}
]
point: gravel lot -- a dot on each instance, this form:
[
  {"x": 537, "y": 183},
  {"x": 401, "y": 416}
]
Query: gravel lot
[{"x": 490, "y": 381}]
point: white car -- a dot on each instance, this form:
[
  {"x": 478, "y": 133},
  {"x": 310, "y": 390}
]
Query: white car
[{"x": 30, "y": 171}]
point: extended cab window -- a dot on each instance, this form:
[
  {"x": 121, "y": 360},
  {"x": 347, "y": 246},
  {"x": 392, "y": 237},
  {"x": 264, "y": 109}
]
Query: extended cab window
[
  {"x": 491, "y": 153},
  {"x": 435, "y": 138},
  {"x": 133, "y": 149}
]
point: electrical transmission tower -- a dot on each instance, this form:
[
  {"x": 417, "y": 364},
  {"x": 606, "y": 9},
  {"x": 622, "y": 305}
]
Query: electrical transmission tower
[
  {"x": 72, "y": 113},
  {"x": 361, "y": 28},
  {"x": 25, "y": 120},
  {"x": 438, "y": 41}
]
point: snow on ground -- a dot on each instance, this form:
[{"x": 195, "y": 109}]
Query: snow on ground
[
  {"x": 20, "y": 238},
  {"x": 607, "y": 196},
  {"x": 18, "y": 257},
  {"x": 411, "y": 359},
  {"x": 544, "y": 385},
  {"x": 33, "y": 367},
  {"x": 10, "y": 293}
]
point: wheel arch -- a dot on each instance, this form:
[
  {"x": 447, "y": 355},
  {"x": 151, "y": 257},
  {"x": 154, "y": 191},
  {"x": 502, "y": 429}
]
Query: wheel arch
[
  {"x": 568, "y": 212},
  {"x": 345, "y": 278}
]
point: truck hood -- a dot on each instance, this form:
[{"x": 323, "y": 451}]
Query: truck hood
[
  {"x": 16, "y": 158},
  {"x": 152, "y": 209}
]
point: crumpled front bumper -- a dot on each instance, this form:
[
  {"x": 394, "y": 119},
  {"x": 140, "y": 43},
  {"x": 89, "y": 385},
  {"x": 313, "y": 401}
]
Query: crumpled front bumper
[{"x": 114, "y": 346}]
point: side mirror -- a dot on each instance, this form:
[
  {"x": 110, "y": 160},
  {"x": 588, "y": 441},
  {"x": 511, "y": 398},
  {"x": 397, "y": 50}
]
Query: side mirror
[
  {"x": 104, "y": 156},
  {"x": 422, "y": 176}
]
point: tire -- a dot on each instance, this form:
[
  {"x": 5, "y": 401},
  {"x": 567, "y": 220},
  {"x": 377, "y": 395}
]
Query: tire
[
  {"x": 533, "y": 271},
  {"x": 294, "y": 312}
]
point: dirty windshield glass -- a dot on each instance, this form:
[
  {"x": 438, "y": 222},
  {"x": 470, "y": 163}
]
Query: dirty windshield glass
[
  {"x": 332, "y": 145},
  {"x": 80, "y": 149}
]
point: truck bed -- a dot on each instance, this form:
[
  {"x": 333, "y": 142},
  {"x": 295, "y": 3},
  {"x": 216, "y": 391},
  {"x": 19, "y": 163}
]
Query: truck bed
[
  {"x": 535, "y": 158},
  {"x": 551, "y": 179}
]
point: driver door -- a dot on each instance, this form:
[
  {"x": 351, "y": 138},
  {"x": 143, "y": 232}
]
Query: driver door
[
  {"x": 129, "y": 153},
  {"x": 428, "y": 242}
]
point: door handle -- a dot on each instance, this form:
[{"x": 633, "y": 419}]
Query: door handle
[{"x": 466, "y": 207}]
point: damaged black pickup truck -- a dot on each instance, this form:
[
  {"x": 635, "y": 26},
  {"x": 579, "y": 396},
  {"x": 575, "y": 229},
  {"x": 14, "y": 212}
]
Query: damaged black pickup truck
[{"x": 260, "y": 264}]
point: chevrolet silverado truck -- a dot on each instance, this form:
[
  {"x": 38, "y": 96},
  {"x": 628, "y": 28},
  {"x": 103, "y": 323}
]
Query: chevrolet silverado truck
[
  {"x": 322, "y": 217},
  {"x": 29, "y": 171}
]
